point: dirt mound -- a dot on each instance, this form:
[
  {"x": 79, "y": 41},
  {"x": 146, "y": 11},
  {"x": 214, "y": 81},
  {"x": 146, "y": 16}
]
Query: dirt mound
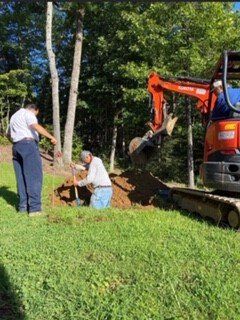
[{"x": 129, "y": 188}]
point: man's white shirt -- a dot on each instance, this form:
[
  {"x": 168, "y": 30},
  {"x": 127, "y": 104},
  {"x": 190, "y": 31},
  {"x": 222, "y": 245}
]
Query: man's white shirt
[
  {"x": 97, "y": 175},
  {"x": 20, "y": 125}
]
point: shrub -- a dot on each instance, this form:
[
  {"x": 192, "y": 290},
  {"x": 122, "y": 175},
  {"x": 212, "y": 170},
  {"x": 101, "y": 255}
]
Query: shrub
[
  {"x": 4, "y": 141},
  {"x": 77, "y": 147}
]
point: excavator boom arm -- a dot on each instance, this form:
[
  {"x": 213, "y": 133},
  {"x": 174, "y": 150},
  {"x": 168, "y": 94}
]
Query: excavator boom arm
[{"x": 157, "y": 85}]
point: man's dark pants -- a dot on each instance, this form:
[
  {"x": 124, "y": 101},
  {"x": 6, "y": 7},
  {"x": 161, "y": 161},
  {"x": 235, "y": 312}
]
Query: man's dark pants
[{"x": 28, "y": 170}]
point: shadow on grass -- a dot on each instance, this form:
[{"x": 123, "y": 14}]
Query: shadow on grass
[
  {"x": 11, "y": 307},
  {"x": 9, "y": 196},
  {"x": 170, "y": 205},
  {"x": 204, "y": 220}
]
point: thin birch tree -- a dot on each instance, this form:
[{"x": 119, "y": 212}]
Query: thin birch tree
[
  {"x": 191, "y": 183},
  {"x": 54, "y": 78},
  {"x": 69, "y": 126},
  {"x": 114, "y": 142}
]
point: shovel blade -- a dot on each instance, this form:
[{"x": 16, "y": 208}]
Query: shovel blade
[{"x": 78, "y": 202}]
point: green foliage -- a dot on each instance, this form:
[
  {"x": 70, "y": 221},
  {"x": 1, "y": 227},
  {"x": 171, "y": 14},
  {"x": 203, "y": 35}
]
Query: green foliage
[
  {"x": 13, "y": 84},
  {"x": 114, "y": 264},
  {"x": 170, "y": 38},
  {"x": 44, "y": 142},
  {"x": 13, "y": 92},
  {"x": 123, "y": 42},
  {"x": 4, "y": 141},
  {"x": 77, "y": 147},
  {"x": 46, "y": 145}
]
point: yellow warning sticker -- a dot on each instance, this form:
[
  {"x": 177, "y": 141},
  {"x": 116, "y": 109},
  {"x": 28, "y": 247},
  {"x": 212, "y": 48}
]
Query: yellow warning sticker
[{"x": 230, "y": 126}]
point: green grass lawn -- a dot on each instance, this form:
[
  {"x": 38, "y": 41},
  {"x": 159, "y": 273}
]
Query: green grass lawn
[{"x": 113, "y": 264}]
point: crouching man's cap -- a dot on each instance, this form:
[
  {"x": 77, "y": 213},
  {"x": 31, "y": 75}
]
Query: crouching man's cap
[{"x": 84, "y": 154}]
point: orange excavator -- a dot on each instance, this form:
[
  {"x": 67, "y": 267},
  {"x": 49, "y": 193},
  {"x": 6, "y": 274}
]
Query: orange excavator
[{"x": 220, "y": 170}]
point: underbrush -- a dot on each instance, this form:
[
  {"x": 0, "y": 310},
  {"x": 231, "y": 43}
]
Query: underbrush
[
  {"x": 78, "y": 263},
  {"x": 4, "y": 141}
]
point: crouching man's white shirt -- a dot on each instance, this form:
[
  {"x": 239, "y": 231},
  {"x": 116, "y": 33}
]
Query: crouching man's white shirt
[{"x": 97, "y": 175}]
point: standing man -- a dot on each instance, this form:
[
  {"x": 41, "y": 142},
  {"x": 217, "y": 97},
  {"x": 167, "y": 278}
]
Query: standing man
[
  {"x": 24, "y": 131},
  {"x": 98, "y": 177},
  {"x": 221, "y": 109}
]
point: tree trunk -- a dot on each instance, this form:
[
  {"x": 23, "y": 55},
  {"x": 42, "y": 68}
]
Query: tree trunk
[
  {"x": 69, "y": 126},
  {"x": 190, "y": 146},
  {"x": 114, "y": 142},
  {"x": 23, "y": 102},
  {"x": 54, "y": 79},
  {"x": 174, "y": 103},
  {"x": 7, "y": 118},
  {"x": 123, "y": 141},
  {"x": 2, "y": 118}
]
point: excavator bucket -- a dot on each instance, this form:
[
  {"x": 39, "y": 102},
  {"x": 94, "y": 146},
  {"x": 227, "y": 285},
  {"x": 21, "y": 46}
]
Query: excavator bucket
[{"x": 142, "y": 149}]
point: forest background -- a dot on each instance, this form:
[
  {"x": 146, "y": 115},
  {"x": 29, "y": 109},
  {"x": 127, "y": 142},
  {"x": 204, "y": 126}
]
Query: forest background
[{"x": 122, "y": 42}]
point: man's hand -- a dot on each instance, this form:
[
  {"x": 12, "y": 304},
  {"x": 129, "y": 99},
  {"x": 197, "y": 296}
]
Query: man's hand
[
  {"x": 77, "y": 167},
  {"x": 80, "y": 167},
  {"x": 43, "y": 132},
  {"x": 58, "y": 154},
  {"x": 75, "y": 181},
  {"x": 72, "y": 165},
  {"x": 53, "y": 141}
]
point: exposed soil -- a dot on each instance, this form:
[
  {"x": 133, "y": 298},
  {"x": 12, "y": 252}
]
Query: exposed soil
[
  {"x": 129, "y": 188},
  {"x": 6, "y": 153}
]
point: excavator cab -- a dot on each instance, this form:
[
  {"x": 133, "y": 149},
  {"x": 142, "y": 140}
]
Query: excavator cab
[
  {"x": 221, "y": 167},
  {"x": 228, "y": 69}
]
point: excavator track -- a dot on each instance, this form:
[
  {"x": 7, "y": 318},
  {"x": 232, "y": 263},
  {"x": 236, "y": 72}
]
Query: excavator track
[{"x": 219, "y": 208}]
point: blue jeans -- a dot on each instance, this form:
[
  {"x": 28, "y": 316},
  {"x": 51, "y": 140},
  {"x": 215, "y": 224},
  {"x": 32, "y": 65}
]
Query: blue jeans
[
  {"x": 101, "y": 198},
  {"x": 28, "y": 170}
]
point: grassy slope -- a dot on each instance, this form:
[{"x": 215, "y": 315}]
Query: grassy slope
[{"x": 82, "y": 264}]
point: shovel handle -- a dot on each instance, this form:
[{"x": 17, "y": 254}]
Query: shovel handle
[
  {"x": 76, "y": 189},
  {"x": 76, "y": 192},
  {"x": 77, "y": 197}
]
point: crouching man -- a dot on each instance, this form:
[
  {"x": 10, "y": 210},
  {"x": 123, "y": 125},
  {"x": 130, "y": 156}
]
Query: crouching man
[{"x": 98, "y": 177}]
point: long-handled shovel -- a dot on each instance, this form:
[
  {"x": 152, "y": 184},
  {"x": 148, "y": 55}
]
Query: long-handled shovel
[
  {"x": 56, "y": 156},
  {"x": 78, "y": 202}
]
